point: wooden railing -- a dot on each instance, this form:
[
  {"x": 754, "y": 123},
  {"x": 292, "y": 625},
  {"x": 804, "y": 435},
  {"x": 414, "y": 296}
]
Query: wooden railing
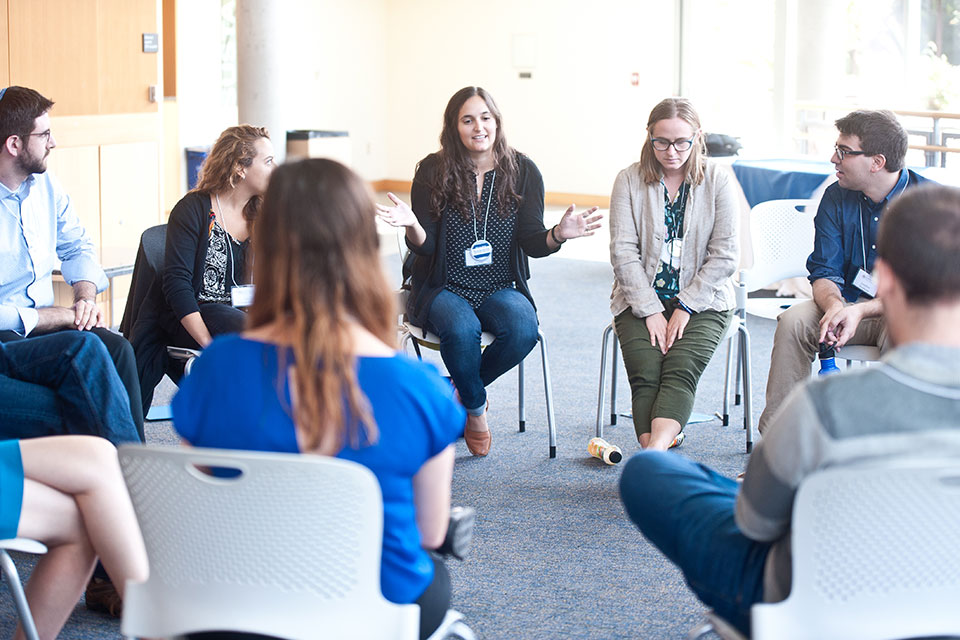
[{"x": 937, "y": 128}]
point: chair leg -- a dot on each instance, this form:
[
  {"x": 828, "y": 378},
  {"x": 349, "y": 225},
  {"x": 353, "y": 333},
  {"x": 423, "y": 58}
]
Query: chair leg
[
  {"x": 19, "y": 599},
  {"x": 738, "y": 377},
  {"x": 548, "y": 391},
  {"x": 522, "y": 408},
  {"x": 725, "y": 417},
  {"x": 604, "y": 347},
  {"x": 747, "y": 386},
  {"x": 613, "y": 380}
]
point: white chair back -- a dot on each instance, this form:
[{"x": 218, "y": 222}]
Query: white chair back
[
  {"x": 289, "y": 547},
  {"x": 782, "y": 235},
  {"x": 876, "y": 555}
]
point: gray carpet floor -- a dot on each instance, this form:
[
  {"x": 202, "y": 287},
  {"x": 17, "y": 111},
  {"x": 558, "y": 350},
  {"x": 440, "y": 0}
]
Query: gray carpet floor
[{"x": 554, "y": 555}]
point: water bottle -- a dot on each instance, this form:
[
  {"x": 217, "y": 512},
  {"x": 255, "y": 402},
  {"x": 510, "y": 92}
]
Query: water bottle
[
  {"x": 828, "y": 363},
  {"x": 609, "y": 453}
]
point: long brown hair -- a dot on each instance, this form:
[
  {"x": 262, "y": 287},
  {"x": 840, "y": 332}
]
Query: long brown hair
[
  {"x": 233, "y": 150},
  {"x": 695, "y": 166},
  {"x": 455, "y": 185},
  {"x": 318, "y": 271}
]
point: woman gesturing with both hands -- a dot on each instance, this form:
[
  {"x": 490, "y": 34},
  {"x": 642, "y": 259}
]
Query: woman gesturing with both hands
[{"x": 476, "y": 216}]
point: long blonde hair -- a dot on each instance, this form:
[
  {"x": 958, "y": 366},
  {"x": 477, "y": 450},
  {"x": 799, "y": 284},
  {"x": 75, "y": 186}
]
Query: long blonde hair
[
  {"x": 318, "y": 272},
  {"x": 696, "y": 164}
]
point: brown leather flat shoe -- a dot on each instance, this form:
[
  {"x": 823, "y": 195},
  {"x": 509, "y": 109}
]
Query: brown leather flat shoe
[{"x": 478, "y": 442}]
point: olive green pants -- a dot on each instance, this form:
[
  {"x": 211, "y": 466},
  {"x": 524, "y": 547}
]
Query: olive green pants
[{"x": 664, "y": 386}]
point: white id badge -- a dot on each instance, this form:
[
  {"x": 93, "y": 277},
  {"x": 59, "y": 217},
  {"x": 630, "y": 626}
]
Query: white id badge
[
  {"x": 241, "y": 296},
  {"x": 864, "y": 282},
  {"x": 480, "y": 253}
]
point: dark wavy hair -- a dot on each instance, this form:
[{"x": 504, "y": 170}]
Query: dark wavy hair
[
  {"x": 880, "y": 133},
  {"x": 454, "y": 185}
]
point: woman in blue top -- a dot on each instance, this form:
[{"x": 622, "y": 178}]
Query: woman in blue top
[{"x": 317, "y": 372}]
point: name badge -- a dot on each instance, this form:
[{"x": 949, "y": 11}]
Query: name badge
[
  {"x": 864, "y": 282},
  {"x": 480, "y": 253},
  {"x": 241, "y": 296}
]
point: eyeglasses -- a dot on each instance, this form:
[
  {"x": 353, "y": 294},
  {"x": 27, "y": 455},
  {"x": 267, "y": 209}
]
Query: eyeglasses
[
  {"x": 43, "y": 134},
  {"x": 662, "y": 144},
  {"x": 841, "y": 153}
]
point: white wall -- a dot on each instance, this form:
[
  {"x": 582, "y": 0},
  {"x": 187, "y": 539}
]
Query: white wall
[{"x": 578, "y": 117}]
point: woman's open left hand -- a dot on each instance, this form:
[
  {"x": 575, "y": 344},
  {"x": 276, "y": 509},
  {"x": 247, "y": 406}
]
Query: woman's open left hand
[
  {"x": 399, "y": 215},
  {"x": 678, "y": 322},
  {"x": 574, "y": 225}
]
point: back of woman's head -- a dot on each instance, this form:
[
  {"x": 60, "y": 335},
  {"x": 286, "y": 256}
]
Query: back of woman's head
[
  {"x": 696, "y": 162},
  {"x": 317, "y": 270}
]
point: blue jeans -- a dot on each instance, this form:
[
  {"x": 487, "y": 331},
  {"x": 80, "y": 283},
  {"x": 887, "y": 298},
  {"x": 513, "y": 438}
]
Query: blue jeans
[
  {"x": 686, "y": 510},
  {"x": 507, "y": 314},
  {"x": 63, "y": 383}
]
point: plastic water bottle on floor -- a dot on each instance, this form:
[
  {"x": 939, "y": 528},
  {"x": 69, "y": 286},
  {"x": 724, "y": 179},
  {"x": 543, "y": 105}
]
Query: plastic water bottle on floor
[
  {"x": 609, "y": 453},
  {"x": 828, "y": 362}
]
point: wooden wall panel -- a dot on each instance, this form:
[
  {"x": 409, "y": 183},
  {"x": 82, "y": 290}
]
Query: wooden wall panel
[
  {"x": 4, "y": 47},
  {"x": 78, "y": 170},
  {"x": 129, "y": 198},
  {"x": 53, "y": 49},
  {"x": 168, "y": 48},
  {"x": 128, "y": 72}
]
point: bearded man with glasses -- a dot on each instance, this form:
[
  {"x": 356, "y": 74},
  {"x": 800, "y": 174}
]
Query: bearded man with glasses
[{"x": 869, "y": 160}]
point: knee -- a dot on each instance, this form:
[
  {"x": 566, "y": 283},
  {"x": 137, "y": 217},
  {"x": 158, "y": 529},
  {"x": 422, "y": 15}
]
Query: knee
[
  {"x": 799, "y": 324},
  {"x": 637, "y": 483}
]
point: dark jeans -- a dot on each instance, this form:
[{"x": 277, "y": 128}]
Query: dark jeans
[
  {"x": 219, "y": 318},
  {"x": 62, "y": 383},
  {"x": 507, "y": 314},
  {"x": 686, "y": 510},
  {"x": 125, "y": 366}
]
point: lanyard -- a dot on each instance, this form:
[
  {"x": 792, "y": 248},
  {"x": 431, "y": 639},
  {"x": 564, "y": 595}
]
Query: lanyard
[
  {"x": 863, "y": 237},
  {"x": 486, "y": 217},
  {"x": 229, "y": 240}
]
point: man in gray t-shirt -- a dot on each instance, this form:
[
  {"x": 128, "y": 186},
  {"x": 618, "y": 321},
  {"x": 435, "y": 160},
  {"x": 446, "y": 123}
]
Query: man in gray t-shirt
[{"x": 733, "y": 543}]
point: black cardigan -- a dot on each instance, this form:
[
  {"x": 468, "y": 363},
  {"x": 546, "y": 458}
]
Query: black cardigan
[
  {"x": 428, "y": 268},
  {"x": 188, "y": 232}
]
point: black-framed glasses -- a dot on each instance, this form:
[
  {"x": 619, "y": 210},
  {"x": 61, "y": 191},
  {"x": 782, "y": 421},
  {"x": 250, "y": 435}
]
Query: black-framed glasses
[
  {"x": 43, "y": 134},
  {"x": 662, "y": 144},
  {"x": 841, "y": 153}
]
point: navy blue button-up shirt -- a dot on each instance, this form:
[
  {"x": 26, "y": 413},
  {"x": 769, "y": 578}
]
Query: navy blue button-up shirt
[{"x": 839, "y": 247}]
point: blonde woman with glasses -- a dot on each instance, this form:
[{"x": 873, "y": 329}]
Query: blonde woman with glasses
[{"x": 674, "y": 248}]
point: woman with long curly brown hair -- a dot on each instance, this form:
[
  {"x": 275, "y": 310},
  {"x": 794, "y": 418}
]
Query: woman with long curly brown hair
[
  {"x": 208, "y": 246},
  {"x": 317, "y": 372},
  {"x": 477, "y": 213}
]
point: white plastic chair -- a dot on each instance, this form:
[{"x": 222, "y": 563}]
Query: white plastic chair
[
  {"x": 12, "y": 578},
  {"x": 420, "y": 337},
  {"x": 782, "y": 234},
  {"x": 290, "y": 547},
  {"x": 874, "y": 556}
]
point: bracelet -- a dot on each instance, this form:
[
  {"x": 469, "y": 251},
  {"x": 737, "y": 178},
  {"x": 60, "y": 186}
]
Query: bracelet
[
  {"x": 553, "y": 235},
  {"x": 683, "y": 306}
]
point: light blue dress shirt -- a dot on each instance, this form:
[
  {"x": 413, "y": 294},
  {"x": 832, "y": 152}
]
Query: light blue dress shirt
[{"x": 38, "y": 226}]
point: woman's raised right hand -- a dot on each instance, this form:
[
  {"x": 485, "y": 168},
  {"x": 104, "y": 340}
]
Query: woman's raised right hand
[{"x": 399, "y": 215}]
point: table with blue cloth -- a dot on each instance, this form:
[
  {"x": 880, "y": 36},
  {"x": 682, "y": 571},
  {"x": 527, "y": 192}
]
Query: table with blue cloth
[{"x": 780, "y": 179}]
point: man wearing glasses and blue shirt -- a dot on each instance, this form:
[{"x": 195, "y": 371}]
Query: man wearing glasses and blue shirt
[
  {"x": 869, "y": 159},
  {"x": 38, "y": 226}
]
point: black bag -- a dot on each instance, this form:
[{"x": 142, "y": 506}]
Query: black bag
[{"x": 720, "y": 144}]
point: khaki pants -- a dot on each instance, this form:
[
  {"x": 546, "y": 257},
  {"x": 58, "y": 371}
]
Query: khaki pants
[{"x": 795, "y": 345}]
